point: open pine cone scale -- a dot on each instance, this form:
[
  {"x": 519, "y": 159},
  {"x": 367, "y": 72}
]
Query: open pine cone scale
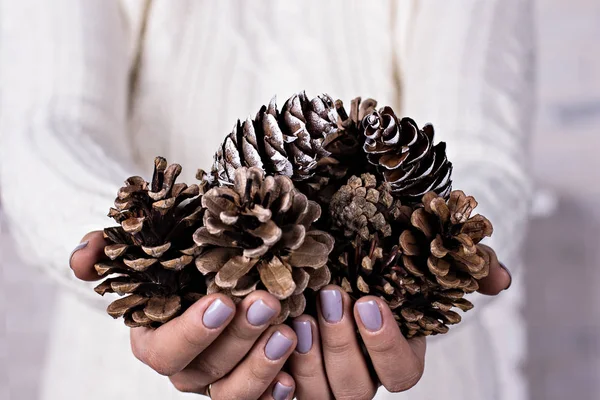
[{"x": 258, "y": 234}]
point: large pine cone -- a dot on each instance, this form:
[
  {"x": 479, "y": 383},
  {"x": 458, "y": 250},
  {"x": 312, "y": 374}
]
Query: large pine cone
[
  {"x": 258, "y": 234},
  {"x": 442, "y": 242},
  {"x": 423, "y": 268},
  {"x": 152, "y": 250},
  {"x": 406, "y": 156},
  {"x": 420, "y": 307},
  {"x": 288, "y": 143}
]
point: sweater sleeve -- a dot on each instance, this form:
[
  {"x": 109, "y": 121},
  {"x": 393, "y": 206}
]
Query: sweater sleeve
[
  {"x": 466, "y": 66},
  {"x": 63, "y": 103}
]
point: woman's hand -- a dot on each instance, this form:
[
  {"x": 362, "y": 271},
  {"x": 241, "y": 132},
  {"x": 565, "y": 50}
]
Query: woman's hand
[
  {"x": 231, "y": 348},
  {"x": 329, "y": 363}
]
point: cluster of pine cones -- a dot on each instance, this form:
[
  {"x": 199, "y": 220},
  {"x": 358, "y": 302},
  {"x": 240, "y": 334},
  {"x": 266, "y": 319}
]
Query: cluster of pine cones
[{"x": 296, "y": 199}]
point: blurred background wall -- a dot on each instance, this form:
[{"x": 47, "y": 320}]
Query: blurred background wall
[
  {"x": 562, "y": 274},
  {"x": 563, "y": 269}
]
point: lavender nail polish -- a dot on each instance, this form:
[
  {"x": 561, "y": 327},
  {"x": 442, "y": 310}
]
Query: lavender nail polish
[
  {"x": 76, "y": 249},
  {"x": 259, "y": 313},
  {"x": 277, "y": 346},
  {"x": 216, "y": 314},
  {"x": 281, "y": 391},
  {"x": 303, "y": 331},
  {"x": 370, "y": 315},
  {"x": 331, "y": 305}
]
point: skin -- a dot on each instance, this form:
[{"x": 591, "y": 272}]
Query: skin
[{"x": 231, "y": 358}]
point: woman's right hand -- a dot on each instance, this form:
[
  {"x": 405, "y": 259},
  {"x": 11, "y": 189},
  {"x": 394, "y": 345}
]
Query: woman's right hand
[{"x": 233, "y": 349}]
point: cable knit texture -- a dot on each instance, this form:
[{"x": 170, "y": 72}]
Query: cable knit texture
[{"x": 70, "y": 131}]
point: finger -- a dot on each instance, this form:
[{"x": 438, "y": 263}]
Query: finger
[
  {"x": 306, "y": 362},
  {"x": 498, "y": 279},
  {"x": 346, "y": 368},
  {"x": 87, "y": 253},
  {"x": 252, "y": 318},
  {"x": 282, "y": 388},
  {"x": 171, "y": 347},
  {"x": 399, "y": 363},
  {"x": 251, "y": 378}
]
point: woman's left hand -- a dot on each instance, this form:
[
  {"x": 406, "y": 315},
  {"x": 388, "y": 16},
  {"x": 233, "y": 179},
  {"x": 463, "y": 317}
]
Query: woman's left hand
[{"x": 328, "y": 361}]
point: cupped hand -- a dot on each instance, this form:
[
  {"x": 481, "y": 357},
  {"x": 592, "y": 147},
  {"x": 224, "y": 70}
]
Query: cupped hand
[
  {"x": 231, "y": 349},
  {"x": 329, "y": 363}
]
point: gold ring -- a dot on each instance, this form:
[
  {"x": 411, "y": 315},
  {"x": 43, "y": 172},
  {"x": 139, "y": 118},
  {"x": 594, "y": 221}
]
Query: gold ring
[{"x": 208, "y": 391}]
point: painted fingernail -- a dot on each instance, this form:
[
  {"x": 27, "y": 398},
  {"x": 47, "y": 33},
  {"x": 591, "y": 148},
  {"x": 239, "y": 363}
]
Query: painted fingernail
[
  {"x": 259, "y": 313},
  {"x": 216, "y": 314},
  {"x": 369, "y": 314},
  {"x": 331, "y": 305},
  {"x": 277, "y": 346},
  {"x": 281, "y": 391},
  {"x": 509, "y": 275},
  {"x": 76, "y": 249},
  {"x": 304, "y": 333}
]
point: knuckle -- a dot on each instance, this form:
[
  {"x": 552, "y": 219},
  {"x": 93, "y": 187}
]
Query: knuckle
[
  {"x": 138, "y": 351},
  {"x": 209, "y": 371},
  {"x": 191, "y": 333},
  {"x": 237, "y": 333},
  {"x": 306, "y": 372},
  {"x": 336, "y": 346},
  {"x": 404, "y": 383},
  {"x": 383, "y": 345},
  {"x": 186, "y": 386},
  {"x": 261, "y": 375},
  {"x": 158, "y": 364},
  {"x": 362, "y": 393}
]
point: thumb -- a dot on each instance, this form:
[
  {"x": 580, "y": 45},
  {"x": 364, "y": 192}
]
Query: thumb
[
  {"x": 86, "y": 254},
  {"x": 499, "y": 278}
]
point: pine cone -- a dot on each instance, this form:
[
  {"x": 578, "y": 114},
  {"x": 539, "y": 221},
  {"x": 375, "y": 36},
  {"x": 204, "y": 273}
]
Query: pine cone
[
  {"x": 257, "y": 234},
  {"x": 420, "y": 307},
  {"x": 152, "y": 249},
  {"x": 347, "y": 141},
  {"x": 362, "y": 208},
  {"x": 406, "y": 156},
  {"x": 289, "y": 143},
  {"x": 423, "y": 268},
  {"x": 442, "y": 243}
]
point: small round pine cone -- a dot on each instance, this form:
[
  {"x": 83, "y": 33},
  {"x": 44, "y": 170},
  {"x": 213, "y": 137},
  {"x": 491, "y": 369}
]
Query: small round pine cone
[
  {"x": 258, "y": 234},
  {"x": 365, "y": 208},
  {"x": 151, "y": 252},
  {"x": 406, "y": 156}
]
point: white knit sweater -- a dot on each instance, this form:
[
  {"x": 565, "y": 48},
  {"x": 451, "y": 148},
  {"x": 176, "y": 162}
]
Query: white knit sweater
[{"x": 71, "y": 130}]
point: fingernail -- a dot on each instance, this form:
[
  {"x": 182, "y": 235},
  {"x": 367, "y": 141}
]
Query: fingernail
[
  {"x": 369, "y": 314},
  {"x": 277, "y": 346},
  {"x": 281, "y": 392},
  {"x": 216, "y": 314},
  {"x": 76, "y": 249},
  {"x": 331, "y": 305},
  {"x": 304, "y": 333},
  {"x": 259, "y": 313},
  {"x": 509, "y": 275}
]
